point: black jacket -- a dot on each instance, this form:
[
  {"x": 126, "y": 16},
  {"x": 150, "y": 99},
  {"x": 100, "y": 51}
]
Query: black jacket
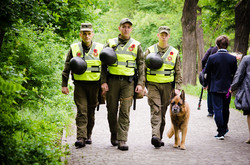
[{"x": 209, "y": 52}]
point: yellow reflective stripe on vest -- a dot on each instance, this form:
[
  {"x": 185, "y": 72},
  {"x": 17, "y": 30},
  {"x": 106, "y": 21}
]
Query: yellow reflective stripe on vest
[
  {"x": 126, "y": 57},
  {"x": 92, "y": 59},
  {"x": 166, "y": 73}
]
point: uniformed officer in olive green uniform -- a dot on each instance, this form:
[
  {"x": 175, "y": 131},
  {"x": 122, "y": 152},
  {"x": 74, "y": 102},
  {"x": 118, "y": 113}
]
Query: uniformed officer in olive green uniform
[
  {"x": 117, "y": 80},
  {"x": 160, "y": 83},
  {"x": 86, "y": 84}
]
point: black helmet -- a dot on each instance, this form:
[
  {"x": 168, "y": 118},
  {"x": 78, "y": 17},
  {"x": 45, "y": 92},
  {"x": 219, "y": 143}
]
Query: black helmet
[
  {"x": 202, "y": 79},
  {"x": 77, "y": 65},
  {"x": 154, "y": 61},
  {"x": 108, "y": 56}
]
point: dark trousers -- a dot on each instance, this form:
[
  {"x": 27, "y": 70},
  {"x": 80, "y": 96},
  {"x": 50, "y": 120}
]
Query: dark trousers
[
  {"x": 221, "y": 111},
  {"x": 158, "y": 99},
  {"x": 209, "y": 103},
  {"x": 86, "y": 99},
  {"x": 119, "y": 100}
]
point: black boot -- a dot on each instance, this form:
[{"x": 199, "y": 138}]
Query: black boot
[
  {"x": 113, "y": 140},
  {"x": 156, "y": 142},
  {"x": 80, "y": 143},
  {"x": 88, "y": 141},
  {"x": 162, "y": 143}
]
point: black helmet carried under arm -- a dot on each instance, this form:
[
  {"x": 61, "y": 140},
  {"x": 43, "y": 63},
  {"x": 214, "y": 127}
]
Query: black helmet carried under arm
[
  {"x": 154, "y": 61},
  {"x": 78, "y": 65},
  {"x": 202, "y": 79},
  {"x": 108, "y": 56}
]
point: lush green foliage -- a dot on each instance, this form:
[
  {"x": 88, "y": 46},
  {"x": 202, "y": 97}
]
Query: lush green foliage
[
  {"x": 33, "y": 111},
  {"x": 147, "y": 16},
  {"x": 218, "y": 19},
  {"x": 65, "y": 15}
]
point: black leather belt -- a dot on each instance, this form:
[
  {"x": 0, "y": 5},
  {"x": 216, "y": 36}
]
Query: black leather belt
[{"x": 121, "y": 77}]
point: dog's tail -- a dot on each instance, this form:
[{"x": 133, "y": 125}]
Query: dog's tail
[{"x": 170, "y": 132}]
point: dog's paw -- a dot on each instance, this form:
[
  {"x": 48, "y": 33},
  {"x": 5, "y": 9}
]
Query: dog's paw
[
  {"x": 182, "y": 147},
  {"x": 175, "y": 145}
]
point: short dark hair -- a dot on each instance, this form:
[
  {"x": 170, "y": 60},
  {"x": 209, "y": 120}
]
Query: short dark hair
[{"x": 222, "y": 42}]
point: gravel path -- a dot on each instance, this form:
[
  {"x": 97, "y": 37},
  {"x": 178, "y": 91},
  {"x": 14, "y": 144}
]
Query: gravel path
[{"x": 202, "y": 147}]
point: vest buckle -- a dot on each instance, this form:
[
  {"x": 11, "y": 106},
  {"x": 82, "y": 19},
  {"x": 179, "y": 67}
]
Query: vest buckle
[{"x": 130, "y": 64}]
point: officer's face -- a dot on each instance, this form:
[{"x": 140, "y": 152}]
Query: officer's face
[
  {"x": 87, "y": 37},
  {"x": 163, "y": 37},
  {"x": 125, "y": 30}
]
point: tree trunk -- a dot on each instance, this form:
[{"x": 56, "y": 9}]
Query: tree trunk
[
  {"x": 242, "y": 26},
  {"x": 200, "y": 41},
  {"x": 189, "y": 16}
]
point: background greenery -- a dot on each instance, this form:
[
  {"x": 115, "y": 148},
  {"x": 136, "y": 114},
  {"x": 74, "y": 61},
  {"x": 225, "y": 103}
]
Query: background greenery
[
  {"x": 37, "y": 35},
  {"x": 196, "y": 91}
]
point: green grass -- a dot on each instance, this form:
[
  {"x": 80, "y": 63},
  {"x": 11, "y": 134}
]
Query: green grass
[{"x": 196, "y": 91}]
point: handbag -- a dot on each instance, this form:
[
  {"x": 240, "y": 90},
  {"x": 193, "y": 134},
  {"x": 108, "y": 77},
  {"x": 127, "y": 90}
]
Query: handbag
[{"x": 238, "y": 99}]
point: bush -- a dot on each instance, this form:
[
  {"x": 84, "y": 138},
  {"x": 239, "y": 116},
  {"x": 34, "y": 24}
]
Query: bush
[{"x": 33, "y": 111}]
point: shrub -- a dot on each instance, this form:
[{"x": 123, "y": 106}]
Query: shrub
[{"x": 33, "y": 111}]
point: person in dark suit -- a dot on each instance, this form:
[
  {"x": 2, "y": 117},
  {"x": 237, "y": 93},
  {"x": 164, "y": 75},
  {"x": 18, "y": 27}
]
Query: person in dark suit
[{"x": 220, "y": 70}]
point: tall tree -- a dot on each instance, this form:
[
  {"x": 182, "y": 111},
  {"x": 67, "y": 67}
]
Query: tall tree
[
  {"x": 242, "y": 26},
  {"x": 200, "y": 41},
  {"x": 189, "y": 16}
]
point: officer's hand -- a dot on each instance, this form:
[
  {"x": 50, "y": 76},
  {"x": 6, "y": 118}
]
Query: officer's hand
[
  {"x": 65, "y": 90},
  {"x": 105, "y": 88},
  {"x": 138, "y": 89}
]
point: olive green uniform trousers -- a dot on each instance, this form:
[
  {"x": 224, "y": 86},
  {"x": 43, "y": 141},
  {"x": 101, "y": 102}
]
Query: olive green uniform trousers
[
  {"x": 119, "y": 100},
  {"x": 86, "y": 99},
  {"x": 158, "y": 99}
]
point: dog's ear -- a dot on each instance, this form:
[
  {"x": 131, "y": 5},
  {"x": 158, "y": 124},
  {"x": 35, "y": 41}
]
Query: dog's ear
[
  {"x": 183, "y": 96},
  {"x": 173, "y": 94}
]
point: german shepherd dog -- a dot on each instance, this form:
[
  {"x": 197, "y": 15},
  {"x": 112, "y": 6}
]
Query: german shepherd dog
[{"x": 179, "y": 114}]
